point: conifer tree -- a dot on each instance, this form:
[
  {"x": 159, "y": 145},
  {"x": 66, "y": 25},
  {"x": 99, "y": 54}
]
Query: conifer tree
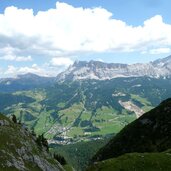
[{"x": 14, "y": 119}]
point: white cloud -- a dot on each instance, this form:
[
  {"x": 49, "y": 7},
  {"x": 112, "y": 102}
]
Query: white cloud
[
  {"x": 13, "y": 71},
  {"x": 61, "y": 61},
  {"x": 16, "y": 58},
  {"x": 1, "y": 71},
  {"x": 157, "y": 51},
  {"x": 9, "y": 53},
  {"x": 22, "y": 58},
  {"x": 66, "y": 30},
  {"x": 100, "y": 60},
  {"x": 160, "y": 51},
  {"x": 44, "y": 70}
]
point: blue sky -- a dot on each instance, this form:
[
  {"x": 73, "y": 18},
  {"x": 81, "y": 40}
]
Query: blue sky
[{"x": 46, "y": 36}]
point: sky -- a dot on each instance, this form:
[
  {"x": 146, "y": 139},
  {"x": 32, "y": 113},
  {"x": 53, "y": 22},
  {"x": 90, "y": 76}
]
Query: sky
[{"x": 46, "y": 36}]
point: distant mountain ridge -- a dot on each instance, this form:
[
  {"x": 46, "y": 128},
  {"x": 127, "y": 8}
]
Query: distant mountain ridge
[
  {"x": 97, "y": 70},
  {"x": 25, "y": 82},
  {"x": 82, "y": 70}
]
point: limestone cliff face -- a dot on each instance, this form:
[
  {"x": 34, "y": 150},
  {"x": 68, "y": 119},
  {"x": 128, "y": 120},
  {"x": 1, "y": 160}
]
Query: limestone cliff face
[
  {"x": 19, "y": 151},
  {"x": 82, "y": 70}
]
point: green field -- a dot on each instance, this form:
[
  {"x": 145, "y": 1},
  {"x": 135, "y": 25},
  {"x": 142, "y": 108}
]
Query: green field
[{"x": 84, "y": 109}]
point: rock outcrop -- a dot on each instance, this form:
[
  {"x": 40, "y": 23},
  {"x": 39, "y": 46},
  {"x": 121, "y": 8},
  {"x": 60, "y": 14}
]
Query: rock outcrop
[{"x": 19, "y": 150}]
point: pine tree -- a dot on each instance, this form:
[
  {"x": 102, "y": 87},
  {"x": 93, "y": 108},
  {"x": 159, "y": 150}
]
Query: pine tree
[
  {"x": 42, "y": 142},
  {"x": 14, "y": 119},
  {"x": 60, "y": 159}
]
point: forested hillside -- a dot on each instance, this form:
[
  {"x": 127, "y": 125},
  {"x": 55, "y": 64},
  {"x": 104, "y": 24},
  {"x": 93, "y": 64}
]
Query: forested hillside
[{"x": 88, "y": 109}]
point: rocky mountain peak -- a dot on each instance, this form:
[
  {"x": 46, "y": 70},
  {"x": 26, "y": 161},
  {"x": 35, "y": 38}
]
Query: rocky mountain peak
[
  {"x": 79, "y": 64},
  {"x": 82, "y": 70},
  {"x": 166, "y": 60}
]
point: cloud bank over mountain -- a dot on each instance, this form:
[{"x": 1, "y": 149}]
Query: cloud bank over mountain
[{"x": 66, "y": 31}]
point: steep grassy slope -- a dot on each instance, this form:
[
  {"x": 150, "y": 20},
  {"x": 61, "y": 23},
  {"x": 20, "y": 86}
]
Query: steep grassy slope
[
  {"x": 19, "y": 151},
  {"x": 150, "y": 133},
  {"x": 135, "y": 162}
]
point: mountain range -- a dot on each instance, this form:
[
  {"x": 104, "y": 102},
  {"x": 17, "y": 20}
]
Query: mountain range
[
  {"x": 93, "y": 101},
  {"x": 97, "y": 70},
  {"x": 70, "y": 110}
]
